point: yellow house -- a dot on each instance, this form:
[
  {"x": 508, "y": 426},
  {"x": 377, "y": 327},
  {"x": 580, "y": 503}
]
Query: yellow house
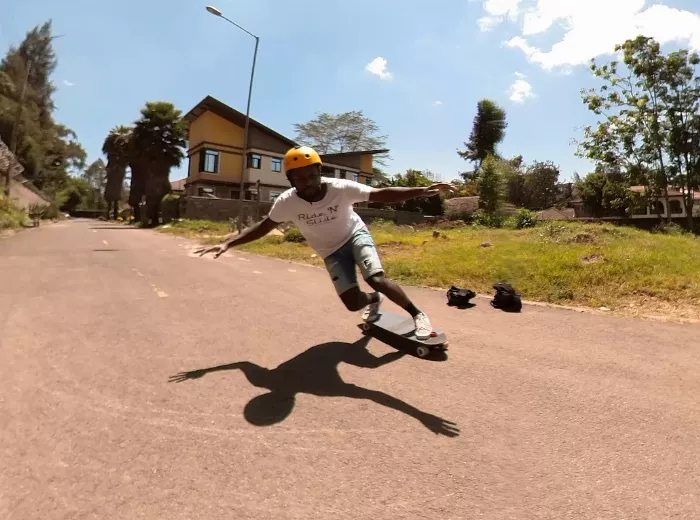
[{"x": 215, "y": 154}]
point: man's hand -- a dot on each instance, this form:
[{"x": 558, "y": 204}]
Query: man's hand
[
  {"x": 439, "y": 187},
  {"x": 217, "y": 250}
]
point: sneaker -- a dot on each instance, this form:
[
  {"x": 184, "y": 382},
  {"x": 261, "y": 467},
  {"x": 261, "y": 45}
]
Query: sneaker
[
  {"x": 423, "y": 326},
  {"x": 372, "y": 311}
]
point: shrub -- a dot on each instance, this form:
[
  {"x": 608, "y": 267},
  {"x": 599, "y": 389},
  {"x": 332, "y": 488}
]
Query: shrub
[
  {"x": 525, "y": 218},
  {"x": 294, "y": 235},
  {"x": 669, "y": 228},
  {"x": 481, "y": 218}
]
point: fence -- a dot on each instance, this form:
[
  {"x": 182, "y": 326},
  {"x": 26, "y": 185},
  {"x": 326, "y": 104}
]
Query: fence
[{"x": 204, "y": 208}]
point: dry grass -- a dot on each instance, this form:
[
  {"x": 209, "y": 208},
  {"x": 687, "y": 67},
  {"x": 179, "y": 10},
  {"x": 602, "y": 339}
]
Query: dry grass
[{"x": 593, "y": 265}]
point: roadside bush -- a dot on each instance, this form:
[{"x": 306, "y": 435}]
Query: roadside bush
[
  {"x": 294, "y": 235},
  {"x": 10, "y": 215}
]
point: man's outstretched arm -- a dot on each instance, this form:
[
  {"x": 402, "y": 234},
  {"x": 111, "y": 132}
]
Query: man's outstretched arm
[
  {"x": 251, "y": 234},
  {"x": 393, "y": 194}
]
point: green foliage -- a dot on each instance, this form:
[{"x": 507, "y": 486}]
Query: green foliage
[
  {"x": 74, "y": 194},
  {"x": 294, "y": 235},
  {"x": 47, "y": 150},
  {"x": 10, "y": 215},
  {"x": 481, "y": 218},
  {"x": 650, "y": 126},
  {"x": 345, "y": 132},
  {"x": 488, "y": 130},
  {"x": 416, "y": 178},
  {"x": 525, "y": 219},
  {"x": 490, "y": 185},
  {"x": 602, "y": 195}
]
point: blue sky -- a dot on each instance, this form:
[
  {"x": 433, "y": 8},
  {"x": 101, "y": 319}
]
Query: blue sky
[{"x": 441, "y": 58}]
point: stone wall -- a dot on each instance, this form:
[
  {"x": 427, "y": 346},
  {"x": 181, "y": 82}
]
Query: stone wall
[{"x": 204, "y": 208}]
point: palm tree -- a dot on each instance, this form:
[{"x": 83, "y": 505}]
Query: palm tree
[
  {"x": 158, "y": 141},
  {"x": 116, "y": 148}
]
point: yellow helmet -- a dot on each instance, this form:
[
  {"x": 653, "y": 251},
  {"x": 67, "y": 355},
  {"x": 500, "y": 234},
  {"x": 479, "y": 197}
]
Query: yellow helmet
[{"x": 301, "y": 156}]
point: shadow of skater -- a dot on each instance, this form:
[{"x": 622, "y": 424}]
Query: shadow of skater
[{"x": 315, "y": 372}]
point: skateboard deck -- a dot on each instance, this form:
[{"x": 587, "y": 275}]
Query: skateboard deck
[{"x": 403, "y": 328}]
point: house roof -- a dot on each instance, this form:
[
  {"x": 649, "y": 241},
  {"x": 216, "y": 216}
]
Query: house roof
[
  {"x": 178, "y": 185},
  {"x": 231, "y": 114},
  {"x": 358, "y": 152},
  {"x": 9, "y": 161},
  {"x": 672, "y": 191}
]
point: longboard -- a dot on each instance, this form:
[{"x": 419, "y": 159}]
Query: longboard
[{"x": 403, "y": 328}]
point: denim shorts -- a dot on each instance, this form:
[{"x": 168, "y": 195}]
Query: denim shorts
[{"x": 359, "y": 250}]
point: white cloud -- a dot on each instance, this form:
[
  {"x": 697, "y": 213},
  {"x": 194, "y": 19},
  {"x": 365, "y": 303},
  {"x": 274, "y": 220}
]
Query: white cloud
[
  {"x": 378, "y": 67},
  {"x": 591, "y": 27},
  {"x": 68, "y": 83},
  {"x": 437, "y": 103},
  {"x": 520, "y": 90},
  {"x": 497, "y": 11}
]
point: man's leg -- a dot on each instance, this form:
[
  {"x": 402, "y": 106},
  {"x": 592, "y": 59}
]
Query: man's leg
[
  {"x": 367, "y": 257},
  {"x": 343, "y": 273}
]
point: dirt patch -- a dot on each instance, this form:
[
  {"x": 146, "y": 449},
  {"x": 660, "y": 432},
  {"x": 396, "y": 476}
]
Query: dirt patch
[
  {"x": 395, "y": 247},
  {"x": 583, "y": 238},
  {"x": 593, "y": 259},
  {"x": 486, "y": 244}
]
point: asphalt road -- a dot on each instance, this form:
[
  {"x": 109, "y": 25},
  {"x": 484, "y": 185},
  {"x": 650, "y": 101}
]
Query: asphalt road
[{"x": 285, "y": 411}]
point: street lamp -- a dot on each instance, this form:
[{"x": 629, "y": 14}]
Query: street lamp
[{"x": 216, "y": 12}]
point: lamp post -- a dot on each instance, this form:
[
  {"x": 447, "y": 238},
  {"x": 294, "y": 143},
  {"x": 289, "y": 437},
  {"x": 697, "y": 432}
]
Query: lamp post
[{"x": 216, "y": 12}]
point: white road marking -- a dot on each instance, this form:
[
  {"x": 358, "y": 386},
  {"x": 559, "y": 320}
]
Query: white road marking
[
  {"x": 292, "y": 270},
  {"x": 257, "y": 272},
  {"x": 105, "y": 242},
  {"x": 161, "y": 294},
  {"x": 244, "y": 259}
]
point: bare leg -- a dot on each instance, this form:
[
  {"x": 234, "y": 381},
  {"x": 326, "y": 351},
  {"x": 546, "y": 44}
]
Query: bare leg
[{"x": 394, "y": 292}]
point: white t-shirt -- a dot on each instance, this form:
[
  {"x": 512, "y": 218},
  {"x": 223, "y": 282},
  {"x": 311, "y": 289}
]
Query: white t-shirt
[{"x": 328, "y": 223}]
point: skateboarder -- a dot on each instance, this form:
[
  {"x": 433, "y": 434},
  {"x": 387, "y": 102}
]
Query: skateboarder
[{"x": 322, "y": 209}]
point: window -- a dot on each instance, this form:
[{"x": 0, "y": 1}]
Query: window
[
  {"x": 235, "y": 194},
  {"x": 274, "y": 195},
  {"x": 276, "y": 164},
  {"x": 356, "y": 177},
  {"x": 209, "y": 161},
  {"x": 676, "y": 208},
  {"x": 341, "y": 174},
  {"x": 254, "y": 161}
]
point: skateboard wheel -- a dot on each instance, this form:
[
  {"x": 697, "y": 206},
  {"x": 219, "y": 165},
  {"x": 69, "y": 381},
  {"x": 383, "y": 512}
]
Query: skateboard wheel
[
  {"x": 365, "y": 326},
  {"x": 422, "y": 351}
]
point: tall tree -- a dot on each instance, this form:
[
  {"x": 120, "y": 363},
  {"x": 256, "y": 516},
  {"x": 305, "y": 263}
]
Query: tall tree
[
  {"x": 490, "y": 185},
  {"x": 116, "y": 147},
  {"x": 345, "y": 132},
  {"x": 488, "y": 130},
  {"x": 418, "y": 178},
  {"x": 158, "y": 141},
  {"x": 650, "y": 126},
  {"x": 48, "y": 151},
  {"x": 96, "y": 177},
  {"x": 541, "y": 185}
]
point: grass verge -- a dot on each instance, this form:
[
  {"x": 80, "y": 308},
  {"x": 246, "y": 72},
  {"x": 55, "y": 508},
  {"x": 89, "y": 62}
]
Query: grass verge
[
  {"x": 11, "y": 217},
  {"x": 575, "y": 264}
]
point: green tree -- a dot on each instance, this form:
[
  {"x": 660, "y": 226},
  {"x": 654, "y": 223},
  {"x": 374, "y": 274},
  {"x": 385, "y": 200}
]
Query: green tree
[
  {"x": 605, "y": 195},
  {"x": 116, "y": 148},
  {"x": 418, "y": 178},
  {"x": 490, "y": 185},
  {"x": 74, "y": 194},
  {"x": 345, "y": 132},
  {"x": 157, "y": 145},
  {"x": 540, "y": 185},
  {"x": 96, "y": 177},
  {"x": 650, "y": 115},
  {"x": 47, "y": 150},
  {"x": 488, "y": 130}
]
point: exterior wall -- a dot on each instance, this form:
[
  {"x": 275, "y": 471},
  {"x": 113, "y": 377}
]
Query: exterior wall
[
  {"x": 223, "y": 209},
  {"x": 367, "y": 163},
  {"x": 215, "y": 129},
  {"x": 210, "y": 131},
  {"x": 264, "y": 141}
]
